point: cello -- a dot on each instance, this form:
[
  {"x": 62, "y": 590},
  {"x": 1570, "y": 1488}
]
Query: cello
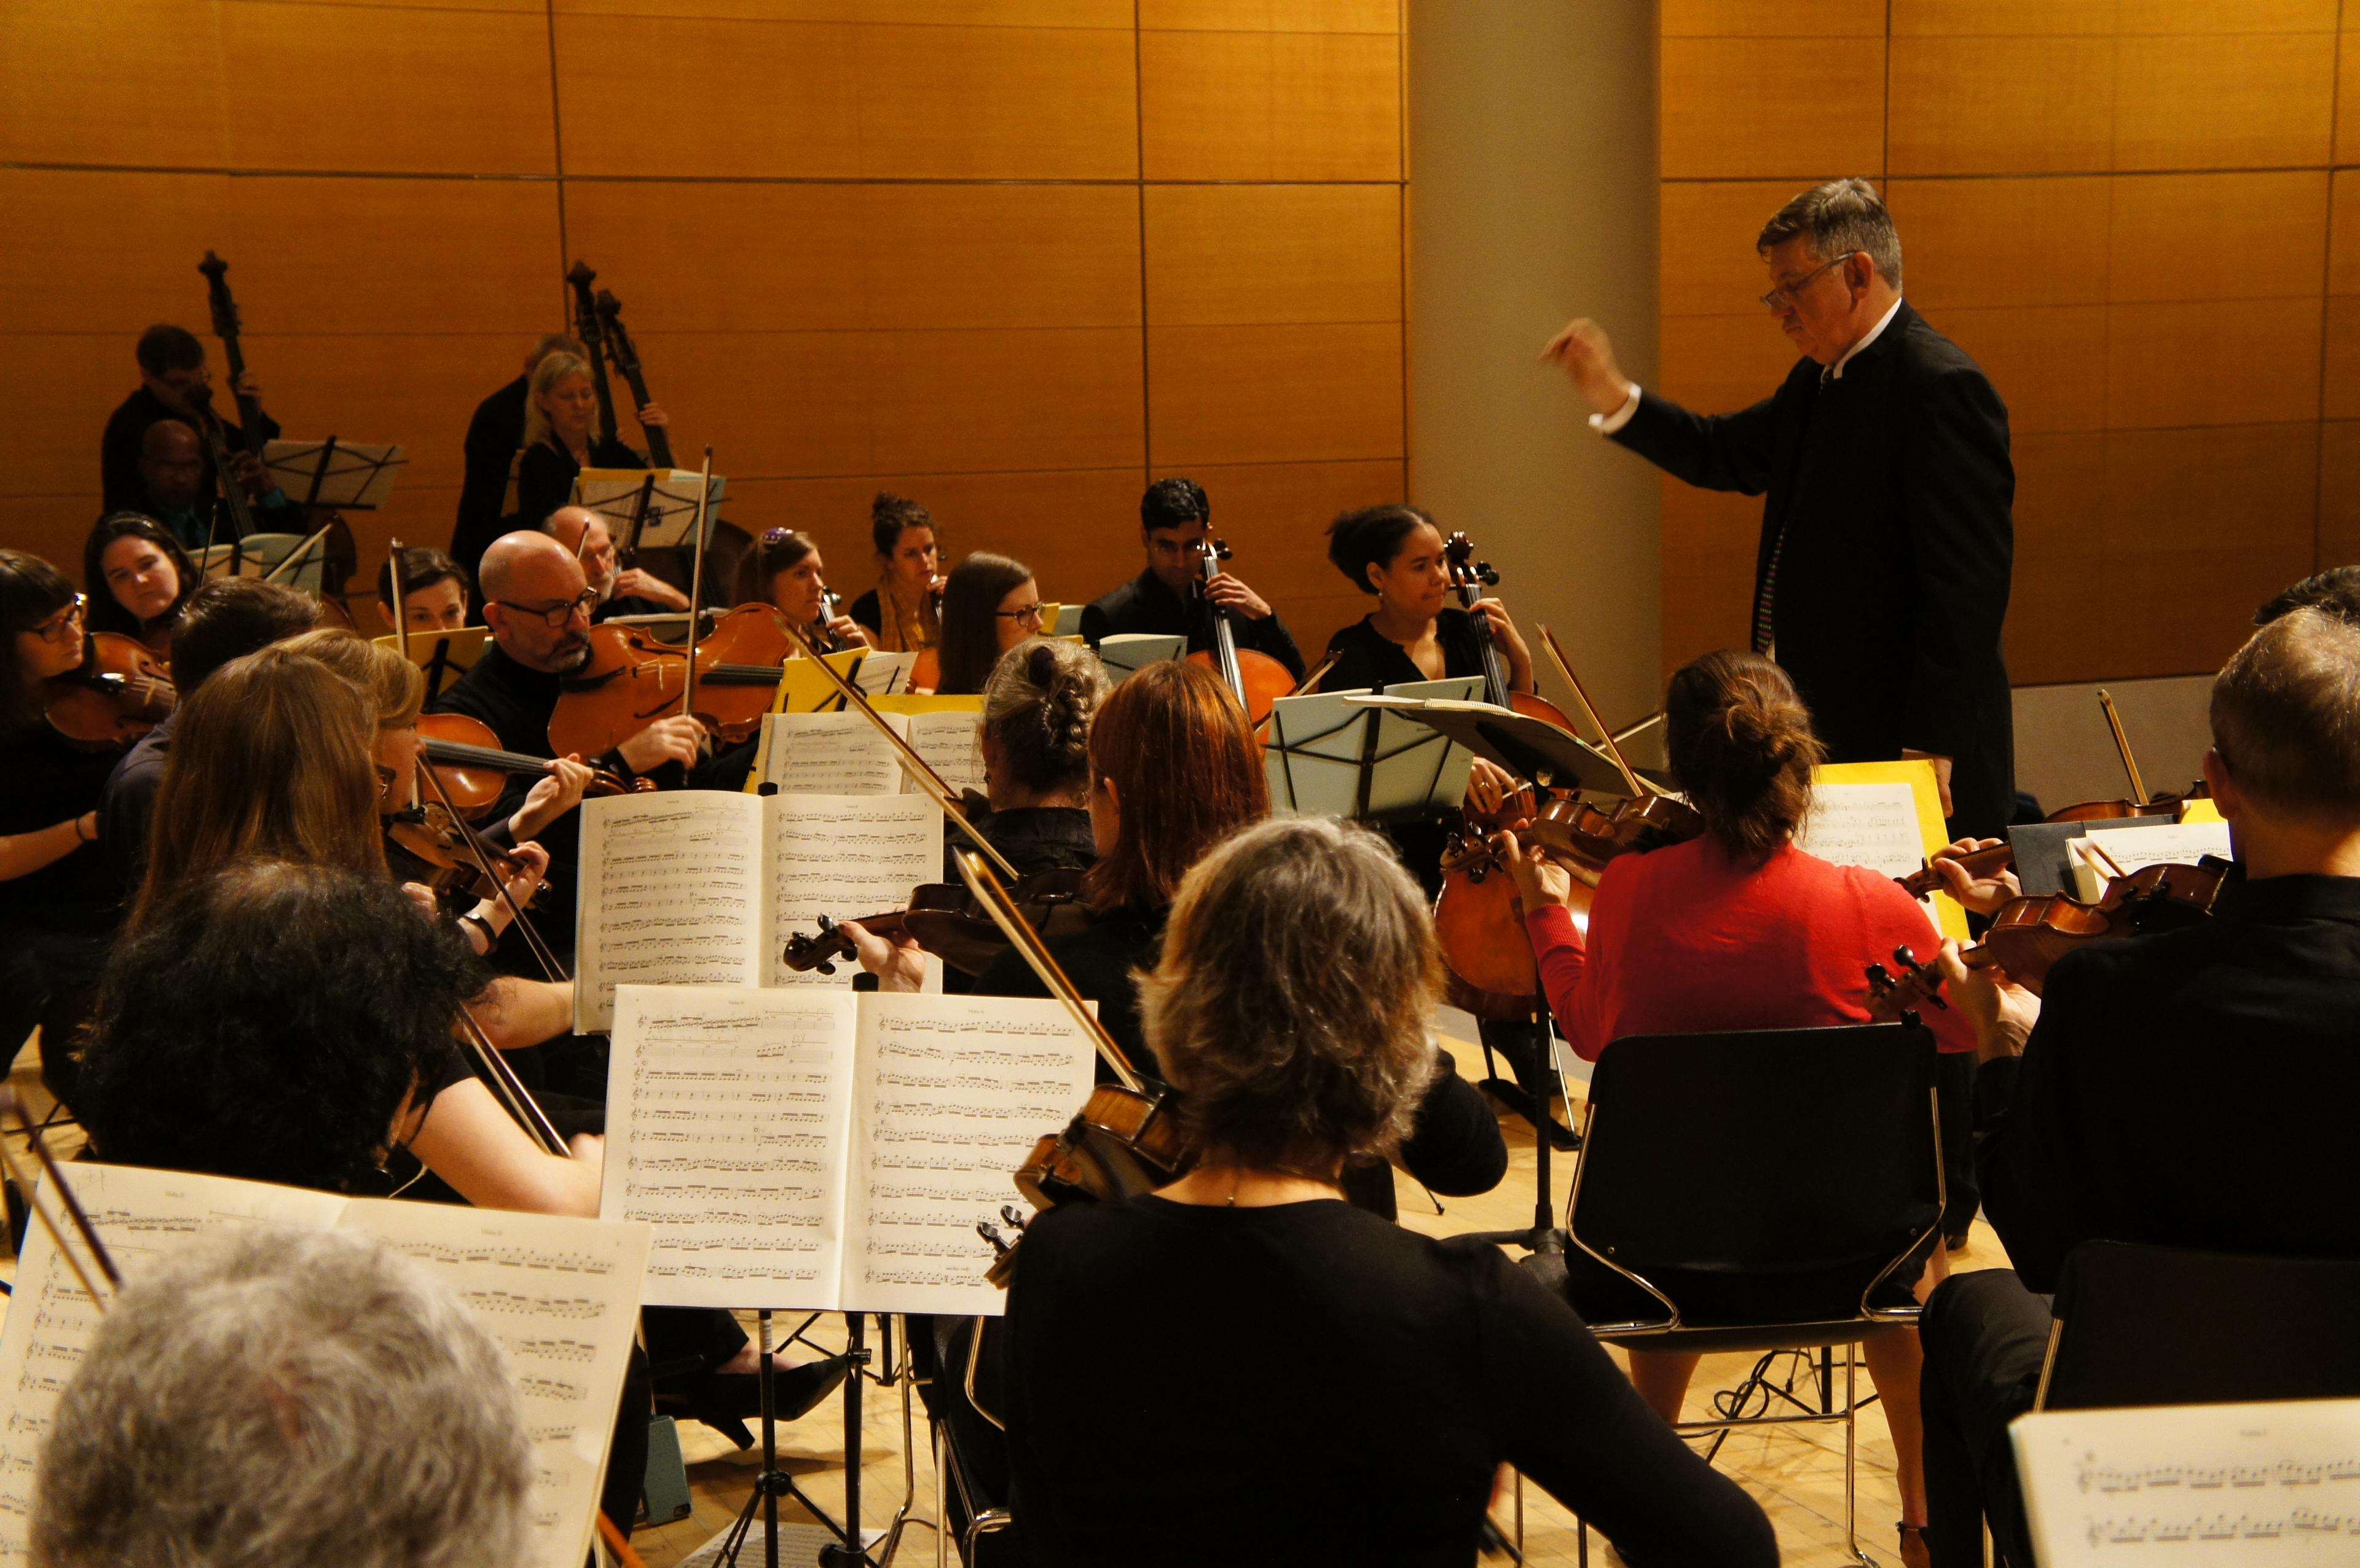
[
  {"x": 1255, "y": 679},
  {"x": 1469, "y": 578}
]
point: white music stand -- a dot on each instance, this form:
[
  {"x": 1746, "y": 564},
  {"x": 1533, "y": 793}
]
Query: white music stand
[
  {"x": 348, "y": 476},
  {"x": 444, "y": 656},
  {"x": 660, "y": 501},
  {"x": 1337, "y": 754},
  {"x": 1127, "y": 653},
  {"x": 1525, "y": 746}
]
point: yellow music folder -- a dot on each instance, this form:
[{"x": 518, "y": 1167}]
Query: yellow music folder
[{"x": 1886, "y": 816}]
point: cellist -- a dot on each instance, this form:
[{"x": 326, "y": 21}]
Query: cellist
[{"x": 1168, "y": 598}]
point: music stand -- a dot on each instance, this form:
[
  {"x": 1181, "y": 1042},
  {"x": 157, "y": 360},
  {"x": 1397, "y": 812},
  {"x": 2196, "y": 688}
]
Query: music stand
[
  {"x": 1526, "y": 746},
  {"x": 350, "y": 476},
  {"x": 444, "y": 656},
  {"x": 1127, "y": 653},
  {"x": 655, "y": 507},
  {"x": 1342, "y": 754}
]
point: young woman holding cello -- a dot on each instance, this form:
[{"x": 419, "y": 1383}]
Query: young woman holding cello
[
  {"x": 1320, "y": 1386},
  {"x": 1741, "y": 929},
  {"x": 1396, "y": 553}
]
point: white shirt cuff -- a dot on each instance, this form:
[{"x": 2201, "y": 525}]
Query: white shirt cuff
[{"x": 1607, "y": 424}]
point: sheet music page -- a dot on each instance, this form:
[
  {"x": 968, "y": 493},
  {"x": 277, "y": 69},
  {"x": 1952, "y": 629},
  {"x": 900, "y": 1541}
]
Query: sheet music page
[
  {"x": 726, "y": 1109},
  {"x": 1419, "y": 771},
  {"x": 953, "y": 1092},
  {"x": 1873, "y": 825},
  {"x": 843, "y": 857},
  {"x": 672, "y": 894},
  {"x": 831, "y": 753},
  {"x": 882, "y": 674},
  {"x": 143, "y": 1217},
  {"x": 2178, "y": 843},
  {"x": 949, "y": 744},
  {"x": 2227, "y": 1486},
  {"x": 561, "y": 1295}
]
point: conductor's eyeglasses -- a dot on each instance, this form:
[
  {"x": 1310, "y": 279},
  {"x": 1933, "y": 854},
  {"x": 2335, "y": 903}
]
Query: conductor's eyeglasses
[
  {"x": 555, "y": 616},
  {"x": 1778, "y": 299}
]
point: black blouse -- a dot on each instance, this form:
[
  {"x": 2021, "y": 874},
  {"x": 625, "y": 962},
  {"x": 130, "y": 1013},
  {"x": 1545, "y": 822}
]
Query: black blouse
[
  {"x": 1367, "y": 658},
  {"x": 546, "y": 473},
  {"x": 48, "y": 779}
]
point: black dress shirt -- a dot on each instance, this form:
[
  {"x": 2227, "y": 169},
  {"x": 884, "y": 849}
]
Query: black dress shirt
[
  {"x": 1145, "y": 607},
  {"x": 2190, "y": 1089},
  {"x": 1891, "y": 489},
  {"x": 493, "y": 436},
  {"x": 1307, "y": 1384},
  {"x": 1368, "y": 660},
  {"x": 546, "y": 473}
]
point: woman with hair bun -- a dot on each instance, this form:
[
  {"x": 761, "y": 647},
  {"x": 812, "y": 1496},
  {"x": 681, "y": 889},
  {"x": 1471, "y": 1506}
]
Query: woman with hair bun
[
  {"x": 1035, "y": 736},
  {"x": 1739, "y": 929}
]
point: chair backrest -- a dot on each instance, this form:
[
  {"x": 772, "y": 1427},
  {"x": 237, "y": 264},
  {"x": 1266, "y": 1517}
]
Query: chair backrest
[
  {"x": 2157, "y": 1325},
  {"x": 1767, "y": 1151}
]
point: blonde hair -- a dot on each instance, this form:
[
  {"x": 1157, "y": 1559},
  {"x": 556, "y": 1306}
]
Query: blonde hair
[
  {"x": 551, "y": 370},
  {"x": 397, "y": 686},
  {"x": 1037, "y": 708},
  {"x": 1290, "y": 1006}
]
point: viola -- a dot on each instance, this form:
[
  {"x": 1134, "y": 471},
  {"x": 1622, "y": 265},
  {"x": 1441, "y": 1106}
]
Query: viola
[
  {"x": 630, "y": 680},
  {"x": 945, "y": 920},
  {"x": 438, "y": 842},
  {"x": 1255, "y": 679},
  {"x": 475, "y": 771},
  {"x": 2030, "y": 935},
  {"x": 1469, "y": 578},
  {"x": 120, "y": 693}
]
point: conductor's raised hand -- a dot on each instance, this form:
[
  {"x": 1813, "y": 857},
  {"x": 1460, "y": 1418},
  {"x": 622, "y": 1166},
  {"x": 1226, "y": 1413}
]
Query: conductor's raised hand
[
  {"x": 898, "y": 964},
  {"x": 1587, "y": 355},
  {"x": 675, "y": 738}
]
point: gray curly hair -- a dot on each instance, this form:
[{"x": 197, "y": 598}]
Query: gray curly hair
[
  {"x": 281, "y": 1398},
  {"x": 1290, "y": 1008}
]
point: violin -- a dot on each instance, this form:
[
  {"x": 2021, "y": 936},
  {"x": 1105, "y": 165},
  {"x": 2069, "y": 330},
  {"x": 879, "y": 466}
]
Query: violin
[
  {"x": 120, "y": 693},
  {"x": 1478, "y": 916},
  {"x": 1469, "y": 578},
  {"x": 945, "y": 920},
  {"x": 2030, "y": 935},
  {"x": 475, "y": 771},
  {"x": 625, "y": 355},
  {"x": 438, "y": 842},
  {"x": 1255, "y": 679},
  {"x": 630, "y": 680}
]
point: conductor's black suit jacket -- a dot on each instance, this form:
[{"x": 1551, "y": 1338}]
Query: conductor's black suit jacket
[{"x": 1892, "y": 487}]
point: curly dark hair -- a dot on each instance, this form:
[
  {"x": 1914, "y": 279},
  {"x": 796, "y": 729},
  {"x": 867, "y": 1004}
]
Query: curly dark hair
[
  {"x": 267, "y": 1021},
  {"x": 1739, "y": 741},
  {"x": 889, "y": 515},
  {"x": 1372, "y": 535},
  {"x": 1175, "y": 503}
]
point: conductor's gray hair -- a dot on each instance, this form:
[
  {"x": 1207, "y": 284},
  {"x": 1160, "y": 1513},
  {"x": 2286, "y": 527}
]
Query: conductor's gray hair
[
  {"x": 1299, "y": 968},
  {"x": 283, "y": 1399},
  {"x": 1842, "y": 216}
]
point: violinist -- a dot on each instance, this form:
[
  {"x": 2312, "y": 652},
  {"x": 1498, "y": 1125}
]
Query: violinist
[
  {"x": 990, "y": 604},
  {"x": 785, "y": 571},
  {"x": 175, "y": 384},
  {"x": 494, "y": 436},
  {"x": 1035, "y": 738},
  {"x": 226, "y": 618},
  {"x": 635, "y": 591},
  {"x": 1171, "y": 597},
  {"x": 1742, "y": 929},
  {"x": 561, "y": 438},
  {"x": 58, "y": 901},
  {"x": 901, "y": 615},
  {"x": 138, "y": 579},
  {"x": 1301, "y": 1382},
  {"x": 2189, "y": 1089},
  {"x": 435, "y": 592}
]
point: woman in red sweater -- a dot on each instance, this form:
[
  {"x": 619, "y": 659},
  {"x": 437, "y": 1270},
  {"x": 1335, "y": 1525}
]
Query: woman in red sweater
[{"x": 1737, "y": 930}]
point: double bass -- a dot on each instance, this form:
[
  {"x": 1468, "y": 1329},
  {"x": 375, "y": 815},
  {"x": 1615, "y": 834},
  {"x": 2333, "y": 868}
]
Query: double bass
[{"x": 1255, "y": 679}]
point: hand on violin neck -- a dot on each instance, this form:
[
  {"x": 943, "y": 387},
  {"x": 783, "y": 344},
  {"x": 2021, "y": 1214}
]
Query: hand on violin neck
[
  {"x": 898, "y": 965},
  {"x": 1980, "y": 895},
  {"x": 674, "y": 739},
  {"x": 422, "y": 896},
  {"x": 1489, "y": 786},
  {"x": 1541, "y": 882},
  {"x": 2002, "y": 1012},
  {"x": 551, "y": 797}
]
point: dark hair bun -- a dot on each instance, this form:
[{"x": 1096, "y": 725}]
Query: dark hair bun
[{"x": 1739, "y": 741}]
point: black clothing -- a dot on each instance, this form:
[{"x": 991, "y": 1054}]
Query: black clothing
[
  {"x": 868, "y": 610},
  {"x": 120, "y": 482},
  {"x": 127, "y": 803},
  {"x": 546, "y": 473},
  {"x": 1892, "y": 488},
  {"x": 2192, "y": 1089},
  {"x": 1367, "y": 660},
  {"x": 1428, "y": 1363},
  {"x": 1037, "y": 839},
  {"x": 1985, "y": 1337},
  {"x": 493, "y": 436},
  {"x": 1145, "y": 606},
  {"x": 55, "y": 922}
]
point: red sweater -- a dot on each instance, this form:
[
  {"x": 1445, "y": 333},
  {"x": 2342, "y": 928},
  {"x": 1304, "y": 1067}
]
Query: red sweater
[{"x": 1684, "y": 940}]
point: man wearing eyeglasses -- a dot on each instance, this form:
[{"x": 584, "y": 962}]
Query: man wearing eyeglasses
[
  {"x": 1881, "y": 579},
  {"x": 1172, "y": 598}
]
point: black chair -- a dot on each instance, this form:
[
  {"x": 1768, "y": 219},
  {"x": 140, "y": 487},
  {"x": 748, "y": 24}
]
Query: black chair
[
  {"x": 959, "y": 1384},
  {"x": 1769, "y": 1190},
  {"x": 2157, "y": 1325}
]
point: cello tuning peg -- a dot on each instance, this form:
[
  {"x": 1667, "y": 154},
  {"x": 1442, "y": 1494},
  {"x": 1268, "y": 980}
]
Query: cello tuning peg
[{"x": 1013, "y": 1216}]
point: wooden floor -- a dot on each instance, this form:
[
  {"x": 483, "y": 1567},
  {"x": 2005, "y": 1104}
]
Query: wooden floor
[{"x": 1797, "y": 1474}]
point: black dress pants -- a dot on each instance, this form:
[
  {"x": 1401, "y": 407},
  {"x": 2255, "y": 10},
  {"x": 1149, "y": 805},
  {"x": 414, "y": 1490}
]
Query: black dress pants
[
  {"x": 1954, "y": 1097},
  {"x": 1985, "y": 1336}
]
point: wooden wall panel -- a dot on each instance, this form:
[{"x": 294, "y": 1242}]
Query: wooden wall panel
[
  {"x": 1779, "y": 106},
  {"x": 1706, "y": 230},
  {"x": 2125, "y": 212},
  {"x": 861, "y": 243}
]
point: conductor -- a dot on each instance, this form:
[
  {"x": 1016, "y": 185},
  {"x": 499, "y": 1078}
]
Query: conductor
[{"x": 1880, "y": 580}]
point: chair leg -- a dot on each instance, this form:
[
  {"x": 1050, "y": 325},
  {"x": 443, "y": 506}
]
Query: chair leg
[
  {"x": 1851, "y": 1461},
  {"x": 942, "y": 1501}
]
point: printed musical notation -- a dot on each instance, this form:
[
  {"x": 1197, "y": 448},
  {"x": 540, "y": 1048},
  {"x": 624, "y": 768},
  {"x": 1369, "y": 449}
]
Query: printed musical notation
[
  {"x": 843, "y": 857},
  {"x": 2276, "y": 1484},
  {"x": 831, "y": 754},
  {"x": 672, "y": 894},
  {"x": 559, "y": 1295}
]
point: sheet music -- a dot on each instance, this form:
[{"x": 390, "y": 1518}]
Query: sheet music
[
  {"x": 1873, "y": 825},
  {"x": 884, "y": 674},
  {"x": 843, "y": 857},
  {"x": 2223, "y": 1485},
  {"x": 953, "y": 1094},
  {"x": 145, "y": 1215},
  {"x": 562, "y": 1296},
  {"x": 949, "y": 744},
  {"x": 672, "y": 893},
  {"x": 2177, "y": 843},
  {"x": 831, "y": 753},
  {"x": 726, "y": 1111}
]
